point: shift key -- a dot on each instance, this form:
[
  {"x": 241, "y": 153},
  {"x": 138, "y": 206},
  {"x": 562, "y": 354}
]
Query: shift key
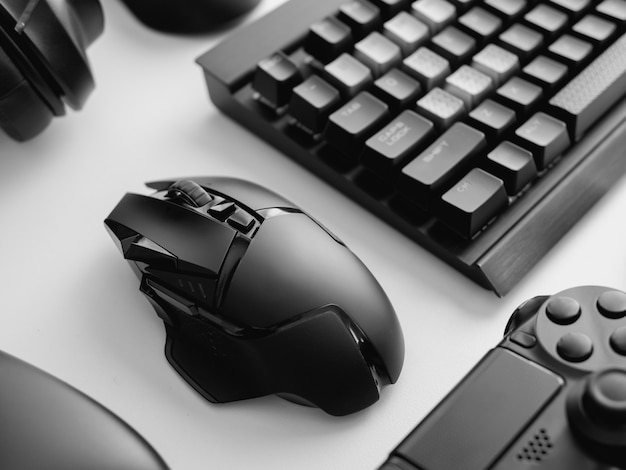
[{"x": 441, "y": 164}]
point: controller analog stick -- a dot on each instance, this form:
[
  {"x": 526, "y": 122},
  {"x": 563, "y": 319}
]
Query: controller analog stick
[
  {"x": 597, "y": 413},
  {"x": 604, "y": 397}
]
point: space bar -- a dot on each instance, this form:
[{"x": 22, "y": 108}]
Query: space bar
[{"x": 593, "y": 91}]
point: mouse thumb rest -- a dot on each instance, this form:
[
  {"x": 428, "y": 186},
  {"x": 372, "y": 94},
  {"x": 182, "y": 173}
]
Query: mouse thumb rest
[{"x": 288, "y": 361}]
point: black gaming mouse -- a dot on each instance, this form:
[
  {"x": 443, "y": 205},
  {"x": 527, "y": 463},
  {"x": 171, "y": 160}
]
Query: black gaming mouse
[
  {"x": 257, "y": 297},
  {"x": 48, "y": 425}
]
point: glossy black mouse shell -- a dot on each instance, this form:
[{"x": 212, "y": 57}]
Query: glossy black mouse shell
[
  {"x": 47, "y": 424},
  {"x": 257, "y": 297}
]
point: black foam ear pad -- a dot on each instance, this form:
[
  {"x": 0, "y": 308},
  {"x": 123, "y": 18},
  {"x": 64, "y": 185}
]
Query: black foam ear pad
[
  {"x": 44, "y": 66},
  {"x": 23, "y": 114}
]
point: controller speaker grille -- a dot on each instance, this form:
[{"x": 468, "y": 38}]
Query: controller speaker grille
[{"x": 537, "y": 448}]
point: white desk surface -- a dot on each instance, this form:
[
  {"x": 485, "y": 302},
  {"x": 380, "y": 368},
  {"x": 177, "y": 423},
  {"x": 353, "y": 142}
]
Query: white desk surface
[{"x": 71, "y": 306}]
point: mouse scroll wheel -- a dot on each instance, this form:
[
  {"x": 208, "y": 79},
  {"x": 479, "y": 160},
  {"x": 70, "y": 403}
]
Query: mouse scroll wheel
[{"x": 190, "y": 192}]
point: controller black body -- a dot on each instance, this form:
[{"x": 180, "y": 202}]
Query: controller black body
[{"x": 551, "y": 395}]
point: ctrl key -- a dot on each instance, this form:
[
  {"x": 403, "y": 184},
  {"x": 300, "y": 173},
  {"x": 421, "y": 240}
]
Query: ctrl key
[{"x": 472, "y": 202}]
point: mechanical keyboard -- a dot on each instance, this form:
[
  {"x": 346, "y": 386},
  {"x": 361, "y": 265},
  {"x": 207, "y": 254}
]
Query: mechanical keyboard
[{"x": 481, "y": 129}]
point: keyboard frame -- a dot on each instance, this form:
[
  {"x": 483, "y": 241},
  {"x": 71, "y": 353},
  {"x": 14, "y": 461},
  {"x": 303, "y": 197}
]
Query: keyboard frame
[{"x": 507, "y": 249}]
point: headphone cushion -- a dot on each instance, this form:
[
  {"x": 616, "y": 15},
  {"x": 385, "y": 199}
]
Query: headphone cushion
[{"x": 23, "y": 114}]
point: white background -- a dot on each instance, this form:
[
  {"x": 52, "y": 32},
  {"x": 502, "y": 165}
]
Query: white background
[{"x": 71, "y": 305}]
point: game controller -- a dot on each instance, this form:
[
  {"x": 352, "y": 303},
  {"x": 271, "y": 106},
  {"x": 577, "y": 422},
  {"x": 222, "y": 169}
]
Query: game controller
[
  {"x": 257, "y": 297},
  {"x": 551, "y": 395}
]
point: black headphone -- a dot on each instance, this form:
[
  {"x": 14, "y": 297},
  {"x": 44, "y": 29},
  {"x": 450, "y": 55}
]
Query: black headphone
[
  {"x": 43, "y": 43},
  {"x": 43, "y": 64}
]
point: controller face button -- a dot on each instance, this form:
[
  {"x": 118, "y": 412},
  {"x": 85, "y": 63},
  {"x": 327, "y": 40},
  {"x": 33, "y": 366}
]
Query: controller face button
[
  {"x": 604, "y": 397},
  {"x": 563, "y": 310},
  {"x": 612, "y": 304},
  {"x": 575, "y": 347},
  {"x": 523, "y": 339},
  {"x": 618, "y": 341}
]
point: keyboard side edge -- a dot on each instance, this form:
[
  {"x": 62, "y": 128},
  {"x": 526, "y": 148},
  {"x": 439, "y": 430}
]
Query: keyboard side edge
[
  {"x": 234, "y": 58},
  {"x": 598, "y": 161}
]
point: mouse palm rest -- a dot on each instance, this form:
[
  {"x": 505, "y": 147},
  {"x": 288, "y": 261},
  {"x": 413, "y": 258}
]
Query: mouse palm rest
[
  {"x": 46, "y": 424},
  {"x": 257, "y": 297}
]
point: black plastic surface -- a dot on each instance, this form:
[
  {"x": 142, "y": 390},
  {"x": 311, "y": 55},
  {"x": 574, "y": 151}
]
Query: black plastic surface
[
  {"x": 262, "y": 301},
  {"x": 465, "y": 434},
  {"x": 528, "y": 406},
  {"x": 188, "y": 16},
  {"x": 48, "y": 425}
]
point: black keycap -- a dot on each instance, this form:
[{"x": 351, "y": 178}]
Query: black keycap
[
  {"x": 434, "y": 13},
  {"x": 361, "y": 16},
  {"x": 575, "y": 7},
  {"x": 492, "y": 118},
  {"x": 406, "y": 31},
  {"x": 396, "y": 89},
  {"x": 348, "y": 74},
  {"x": 441, "y": 107},
  {"x": 545, "y": 136},
  {"x": 545, "y": 72},
  {"x": 351, "y": 124},
  {"x": 570, "y": 50},
  {"x": 496, "y": 62},
  {"x": 378, "y": 53},
  {"x": 480, "y": 23},
  {"x": 513, "y": 164},
  {"x": 507, "y": 8},
  {"x": 454, "y": 45},
  {"x": 470, "y": 204},
  {"x": 427, "y": 66},
  {"x": 522, "y": 40},
  {"x": 595, "y": 29},
  {"x": 614, "y": 9},
  {"x": 440, "y": 164},
  {"x": 388, "y": 8},
  {"x": 311, "y": 103},
  {"x": 547, "y": 19},
  {"x": 593, "y": 91},
  {"x": 390, "y": 147},
  {"x": 519, "y": 95},
  {"x": 462, "y": 5},
  {"x": 470, "y": 85},
  {"x": 274, "y": 79},
  {"x": 327, "y": 39}
]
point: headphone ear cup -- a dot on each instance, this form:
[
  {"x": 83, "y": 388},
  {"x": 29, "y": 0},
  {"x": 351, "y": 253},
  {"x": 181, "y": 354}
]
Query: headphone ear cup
[{"x": 23, "y": 114}]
